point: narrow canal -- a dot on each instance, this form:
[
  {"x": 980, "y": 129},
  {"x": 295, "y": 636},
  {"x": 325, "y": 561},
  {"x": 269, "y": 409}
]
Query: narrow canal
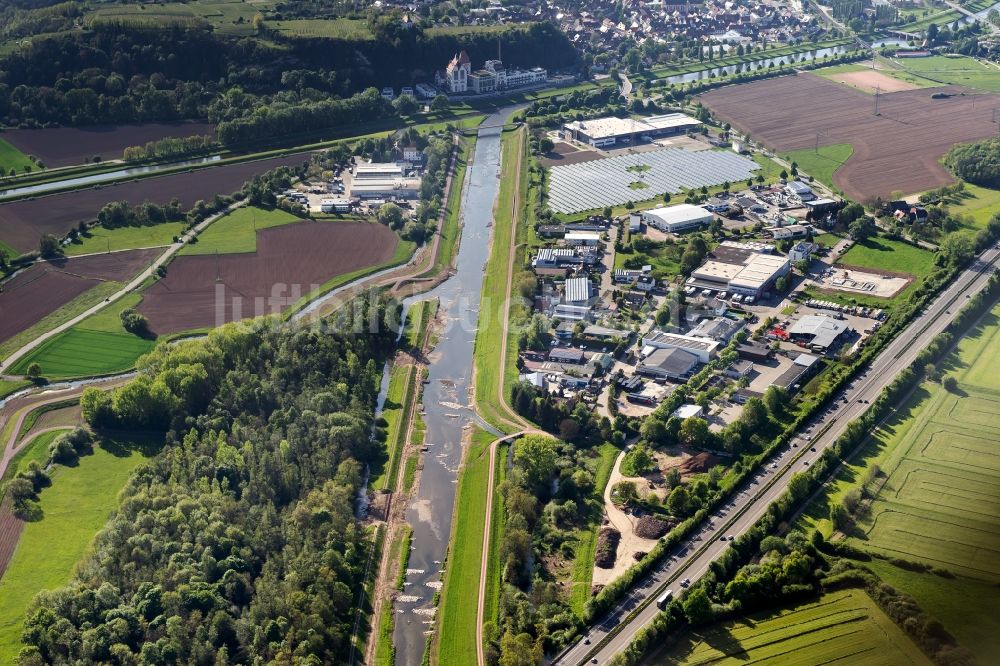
[{"x": 446, "y": 399}]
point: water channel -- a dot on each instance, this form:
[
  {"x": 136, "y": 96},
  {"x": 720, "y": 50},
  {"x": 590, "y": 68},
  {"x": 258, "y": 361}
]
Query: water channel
[
  {"x": 755, "y": 65},
  {"x": 446, "y": 399},
  {"x": 98, "y": 178}
]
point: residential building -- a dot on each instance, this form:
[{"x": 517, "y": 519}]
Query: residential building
[
  {"x": 458, "y": 76},
  {"x": 802, "y": 251},
  {"x": 455, "y": 78},
  {"x": 388, "y": 93},
  {"x": 789, "y": 231}
]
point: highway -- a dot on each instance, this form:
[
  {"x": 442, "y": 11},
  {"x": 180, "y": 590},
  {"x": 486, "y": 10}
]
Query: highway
[{"x": 613, "y": 632}]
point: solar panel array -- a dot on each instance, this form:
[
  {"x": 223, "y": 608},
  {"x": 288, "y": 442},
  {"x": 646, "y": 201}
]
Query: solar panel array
[{"x": 605, "y": 182}]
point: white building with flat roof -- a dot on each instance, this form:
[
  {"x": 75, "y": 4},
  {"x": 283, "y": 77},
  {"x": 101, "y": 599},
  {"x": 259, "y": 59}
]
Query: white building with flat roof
[
  {"x": 588, "y": 238},
  {"x": 611, "y": 130},
  {"x": 677, "y": 219},
  {"x": 377, "y": 170},
  {"x": 704, "y": 349}
]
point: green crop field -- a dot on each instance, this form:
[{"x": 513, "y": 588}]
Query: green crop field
[
  {"x": 823, "y": 163},
  {"x": 100, "y": 239},
  {"x": 237, "y": 232},
  {"x": 883, "y": 254},
  {"x": 231, "y": 17},
  {"x": 946, "y": 69},
  {"x": 844, "y": 627},
  {"x": 940, "y": 502},
  {"x": 12, "y": 158},
  {"x": 83, "y": 353},
  {"x": 460, "y": 595},
  {"x": 74, "y": 508}
]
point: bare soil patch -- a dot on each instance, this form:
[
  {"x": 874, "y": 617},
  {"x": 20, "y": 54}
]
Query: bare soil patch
[
  {"x": 22, "y": 223},
  {"x": 565, "y": 153},
  {"x": 898, "y": 149},
  {"x": 206, "y": 291},
  {"x": 48, "y": 285},
  {"x": 872, "y": 79},
  {"x": 68, "y": 146}
]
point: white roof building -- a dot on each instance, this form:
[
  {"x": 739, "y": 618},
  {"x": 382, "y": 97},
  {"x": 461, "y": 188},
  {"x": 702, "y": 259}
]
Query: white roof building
[
  {"x": 675, "y": 219},
  {"x": 704, "y": 349}
]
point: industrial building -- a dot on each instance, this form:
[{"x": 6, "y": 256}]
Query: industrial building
[
  {"x": 677, "y": 219},
  {"x": 820, "y": 332},
  {"x": 378, "y": 171},
  {"x": 603, "y": 132},
  {"x": 335, "y": 205},
  {"x": 704, "y": 349},
  {"x": 668, "y": 363},
  {"x": 740, "y": 268},
  {"x": 386, "y": 188},
  {"x": 799, "y": 189}
]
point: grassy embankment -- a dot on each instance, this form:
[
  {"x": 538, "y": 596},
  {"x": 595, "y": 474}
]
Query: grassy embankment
[
  {"x": 8, "y": 386},
  {"x": 385, "y": 651},
  {"x": 456, "y": 636},
  {"x": 37, "y": 450},
  {"x": 844, "y": 625},
  {"x": 493, "y": 308},
  {"x": 99, "y": 239},
  {"x": 823, "y": 163},
  {"x": 935, "y": 497},
  {"x": 237, "y": 232},
  {"x": 74, "y": 509},
  {"x": 451, "y": 228}
]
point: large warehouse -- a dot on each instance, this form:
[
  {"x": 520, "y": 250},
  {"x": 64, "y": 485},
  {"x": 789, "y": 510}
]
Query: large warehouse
[
  {"x": 677, "y": 219},
  {"x": 741, "y": 268},
  {"x": 602, "y": 132}
]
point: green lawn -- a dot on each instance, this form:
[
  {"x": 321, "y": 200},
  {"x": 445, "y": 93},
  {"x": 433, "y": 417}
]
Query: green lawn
[
  {"x": 823, "y": 163},
  {"x": 36, "y": 451},
  {"x": 74, "y": 508},
  {"x": 940, "y": 502},
  {"x": 460, "y": 595},
  {"x": 83, "y": 353},
  {"x": 980, "y": 204},
  {"x": 883, "y": 254},
  {"x": 237, "y": 232},
  {"x": 12, "y": 158},
  {"x": 841, "y": 627},
  {"x": 126, "y": 238},
  {"x": 946, "y": 69},
  {"x": 8, "y": 386}
]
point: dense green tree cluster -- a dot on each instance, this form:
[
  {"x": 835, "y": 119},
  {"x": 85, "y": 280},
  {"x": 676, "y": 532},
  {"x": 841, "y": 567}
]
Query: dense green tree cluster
[
  {"x": 171, "y": 146},
  {"x": 121, "y": 214},
  {"x": 238, "y": 542},
  {"x": 978, "y": 163}
]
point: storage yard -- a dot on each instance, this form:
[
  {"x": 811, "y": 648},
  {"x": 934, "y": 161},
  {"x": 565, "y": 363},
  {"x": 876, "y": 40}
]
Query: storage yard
[
  {"x": 611, "y": 181},
  {"x": 899, "y": 149},
  {"x": 22, "y": 223},
  {"x": 203, "y": 291}
]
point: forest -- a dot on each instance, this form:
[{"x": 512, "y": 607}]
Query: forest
[
  {"x": 237, "y": 543},
  {"x": 120, "y": 73},
  {"x": 978, "y": 163}
]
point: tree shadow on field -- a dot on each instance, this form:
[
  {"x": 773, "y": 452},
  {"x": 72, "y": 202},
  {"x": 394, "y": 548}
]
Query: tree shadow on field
[{"x": 122, "y": 444}]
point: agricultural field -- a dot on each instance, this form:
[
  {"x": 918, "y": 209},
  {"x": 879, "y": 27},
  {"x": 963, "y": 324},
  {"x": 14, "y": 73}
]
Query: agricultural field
[
  {"x": 12, "y": 159},
  {"x": 290, "y": 262},
  {"x": 889, "y": 256},
  {"x": 48, "y": 286},
  {"x": 899, "y": 149},
  {"x": 23, "y": 222},
  {"x": 229, "y": 17},
  {"x": 237, "y": 232},
  {"x": 945, "y": 70},
  {"x": 822, "y": 164},
  {"x": 355, "y": 30},
  {"x": 99, "y": 239},
  {"x": 69, "y": 146},
  {"x": 844, "y": 626},
  {"x": 79, "y": 352},
  {"x": 937, "y": 497},
  {"x": 75, "y": 507}
]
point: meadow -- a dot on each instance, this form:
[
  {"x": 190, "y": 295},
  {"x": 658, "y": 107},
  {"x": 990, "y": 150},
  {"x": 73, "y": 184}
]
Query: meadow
[
  {"x": 99, "y": 239},
  {"x": 237, "y": 232},
  {"x": 844, "y": 626},
  {"x": 80, "y": 352},
  {"x": 74, "y": 509},
  {"x": 884, "y": 254},
  {"x": 979, "y": 204},
  {"x": 340, "y": 28},
  {"x": 945, "y": 69},
  {"x": 821, "y": 164},
  {"x": 230, "y": 17},
  {"x": 12, "y": 158},
  {"x": 937, "y": 499}
]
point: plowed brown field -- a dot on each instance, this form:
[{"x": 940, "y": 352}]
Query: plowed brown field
[
  {"x": 22, "y": 223},
  {"x": 205, "y": 291},
  {"x": 897, "y": 150},
  {"x": 48, "y": 285},
  {"x": 67, "y": 146}
]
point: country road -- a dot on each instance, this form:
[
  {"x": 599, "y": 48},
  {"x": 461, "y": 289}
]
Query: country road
[{"x": 615, "y": 630}]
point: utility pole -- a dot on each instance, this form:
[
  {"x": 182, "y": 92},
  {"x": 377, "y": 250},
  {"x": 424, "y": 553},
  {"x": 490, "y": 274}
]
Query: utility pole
[
  {"x": 877, "y": 89},
  {"x": 218, "y": 270}
]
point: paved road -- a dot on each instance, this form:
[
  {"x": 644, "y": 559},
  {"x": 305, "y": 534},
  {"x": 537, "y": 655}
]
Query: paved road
[
  {"x": 613, "y": 632},
  {"x": 171, "y": 250}
]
